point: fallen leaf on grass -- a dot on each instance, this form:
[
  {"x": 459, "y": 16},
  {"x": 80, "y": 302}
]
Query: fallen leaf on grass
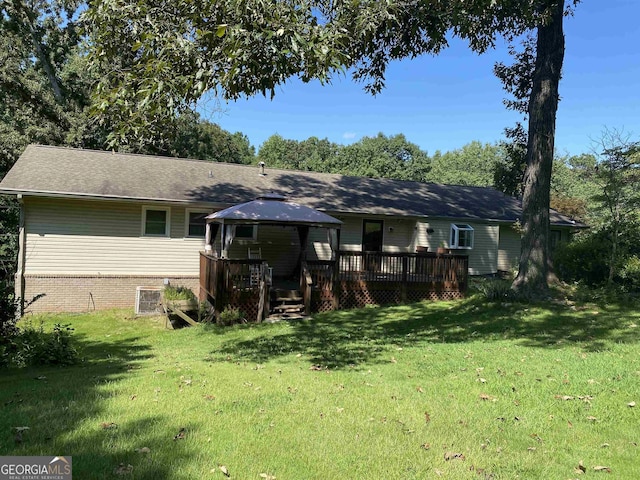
[
  {"x": 123, "y": 469},
  {"x": 209, "y": 397},
  {"x": 438, "y": 472},
  {"x": 580, "y": 469},
  {"x": 393, "y": 360},
  {"x": 536, "y": 437},
  {"x": 484, "y": 396},
  {"x": 531, "y": 449},
  {"x": 21, "y": 429},
  {"x": 631, "y": 404},
  {"x": 316, "y": 368},
  {"x": 604, "y": 445},
  {"x": 427, "y": 417},
  {"x": 453, "y": 456},
  {"x": 564, "y": 397},
  {"x": 600, "y": 468},
  {"x": 108, "y": 425},
  {"x": 182, "y": 433},
  {"x": 224, "y": 470},
  {"x": 420, "y": 390},
  {"x": 591, "y": 418},
  {"x": 41, "y": 377},
  {"x": 143, "y": 450},
  {"x": 425, "y": 446},
  {"x": 266, "y": 476}
]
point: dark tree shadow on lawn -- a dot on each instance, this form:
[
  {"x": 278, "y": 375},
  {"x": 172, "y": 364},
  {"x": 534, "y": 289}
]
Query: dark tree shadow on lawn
[
  {"x": 350, "y": 338},
  {"x": 56, "y": 402}
]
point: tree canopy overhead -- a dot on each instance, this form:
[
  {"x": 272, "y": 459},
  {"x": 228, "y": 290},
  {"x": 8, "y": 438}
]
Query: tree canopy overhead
[{"x": 160, "y": 57}]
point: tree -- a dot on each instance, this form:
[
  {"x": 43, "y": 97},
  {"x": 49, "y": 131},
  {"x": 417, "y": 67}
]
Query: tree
[
  {"x": 473, "y": 164},
  {"x": 181, "y": 50},
  {"x": 312, "y": 154},
  {"x": 378, "y": 157},
  {"x": 617, "y": 173},
  {"x": 194, "y": 137},
  {"x": 43, "y": 90}
]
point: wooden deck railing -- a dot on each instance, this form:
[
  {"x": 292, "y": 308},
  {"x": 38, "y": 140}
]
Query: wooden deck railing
[
  {"x": 235, "y": 283},
  {"x": 354, "y": 279}
]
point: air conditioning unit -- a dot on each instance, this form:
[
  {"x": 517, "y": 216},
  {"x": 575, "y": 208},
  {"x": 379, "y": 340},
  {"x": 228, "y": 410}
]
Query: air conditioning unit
[{"x": 148, "y": 300}]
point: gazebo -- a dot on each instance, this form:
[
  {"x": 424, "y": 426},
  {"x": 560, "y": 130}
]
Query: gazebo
[{"x": 245, "y": 283}]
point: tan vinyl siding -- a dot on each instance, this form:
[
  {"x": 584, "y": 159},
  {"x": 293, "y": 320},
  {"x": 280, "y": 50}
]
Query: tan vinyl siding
[
  {"x": 483, "y": 257},
  {"x": 508, "y": 248},
  {"x": 319, "y": 248},
  {"x": 103, "y": 238},
  {"x": 399, "y": 235},
  {"x": 351, "y": 234}
]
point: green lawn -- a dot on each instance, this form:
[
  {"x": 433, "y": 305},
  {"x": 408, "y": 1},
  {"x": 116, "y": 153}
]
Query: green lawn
[{"x": 456, "y": 390}]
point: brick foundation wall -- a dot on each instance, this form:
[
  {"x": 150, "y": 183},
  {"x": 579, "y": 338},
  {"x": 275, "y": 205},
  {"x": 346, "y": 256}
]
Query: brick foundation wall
[{"x": 82, "y": 293}]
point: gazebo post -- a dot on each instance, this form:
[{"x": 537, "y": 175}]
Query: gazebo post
[
  {"x": 207, "y": 238},
  {"x": 335, "y": 283}
]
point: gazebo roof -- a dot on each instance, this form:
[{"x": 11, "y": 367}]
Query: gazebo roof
[{"x": 275, "y": 210}]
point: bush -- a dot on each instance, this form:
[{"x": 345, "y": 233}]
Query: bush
[
  {"x": 178, "y": 293},
  {"x": 583, "y": 260},
  {"x": 29, "y": 345},
  {"x": 38, "y": 347},
  {"x": 230, "y": 316},
  {"x": 495, "y": 289},
  {"x": 630, "y": 273}
]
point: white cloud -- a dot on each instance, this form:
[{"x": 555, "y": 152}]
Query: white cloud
[{"x": 348, "y": 135}]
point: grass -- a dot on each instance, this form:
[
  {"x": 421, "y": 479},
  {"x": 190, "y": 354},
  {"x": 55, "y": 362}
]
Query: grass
[{"x": 458, "y": 390}]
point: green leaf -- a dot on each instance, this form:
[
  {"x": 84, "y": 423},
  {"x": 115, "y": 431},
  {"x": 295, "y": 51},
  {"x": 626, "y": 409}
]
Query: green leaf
[{"x": 221, "y": 30}]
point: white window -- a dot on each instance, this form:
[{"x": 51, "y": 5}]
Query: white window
[
  {"x": 155, "y": 221},
  {"x": 246, "y": 232},
  {"x": 461, "y": 236},
  {"x": 195, "y": 223}
]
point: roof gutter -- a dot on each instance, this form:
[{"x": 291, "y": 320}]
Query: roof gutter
[{"x": 88, "y": 196}]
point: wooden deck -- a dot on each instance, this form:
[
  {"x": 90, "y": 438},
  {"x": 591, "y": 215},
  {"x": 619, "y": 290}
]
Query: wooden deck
[{"x": 353, "y": 280}]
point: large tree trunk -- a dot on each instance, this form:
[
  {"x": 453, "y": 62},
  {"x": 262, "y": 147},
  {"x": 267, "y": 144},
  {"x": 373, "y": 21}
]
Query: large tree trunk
[{"x": 535, "y": 267}]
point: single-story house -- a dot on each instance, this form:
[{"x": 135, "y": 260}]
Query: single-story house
[{"x": 97, "y": 225}]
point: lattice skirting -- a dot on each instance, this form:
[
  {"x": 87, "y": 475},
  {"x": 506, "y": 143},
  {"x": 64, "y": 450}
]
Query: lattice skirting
[
  {"x": 247, "y": 301},
  {"x": 359, "y": 294}
]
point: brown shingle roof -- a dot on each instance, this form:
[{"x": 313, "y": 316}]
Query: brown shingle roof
[{"x": 43, "y": 170}]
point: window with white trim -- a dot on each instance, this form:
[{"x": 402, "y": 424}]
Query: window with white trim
[
  {"x": 195, "y": 223},
  {"x": 155, "y": 221},
  {"x": 246, "y": 232},
  {"x": 461, "y": 236}
]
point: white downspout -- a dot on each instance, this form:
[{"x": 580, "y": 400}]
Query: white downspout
[{"x": 19, "y": 277}]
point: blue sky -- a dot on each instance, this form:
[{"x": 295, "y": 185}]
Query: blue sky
[{"x": 444, "y": 102}]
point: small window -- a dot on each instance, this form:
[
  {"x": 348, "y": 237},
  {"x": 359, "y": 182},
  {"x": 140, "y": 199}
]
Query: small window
[
  {"x": 461, "y": 236},
  {"x": 155, "y": 221},
  {"x": 195, "y": 222},
  {"x": 246, "y": 232}
]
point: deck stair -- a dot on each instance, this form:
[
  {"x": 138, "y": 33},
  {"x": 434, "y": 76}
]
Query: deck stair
[{"x": 286, "y": 301}]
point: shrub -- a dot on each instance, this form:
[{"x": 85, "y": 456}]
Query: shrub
[
  {"x": 230, "y": 316},
  {"x": 28, "y": 345},
  {"x": 630, "y": 273},
  {"x": 583, "y": 260},
  {"x": 38, "y": 347},
  {"x": 495, "y": 289},
  {"x": 178, "y": 293}
]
